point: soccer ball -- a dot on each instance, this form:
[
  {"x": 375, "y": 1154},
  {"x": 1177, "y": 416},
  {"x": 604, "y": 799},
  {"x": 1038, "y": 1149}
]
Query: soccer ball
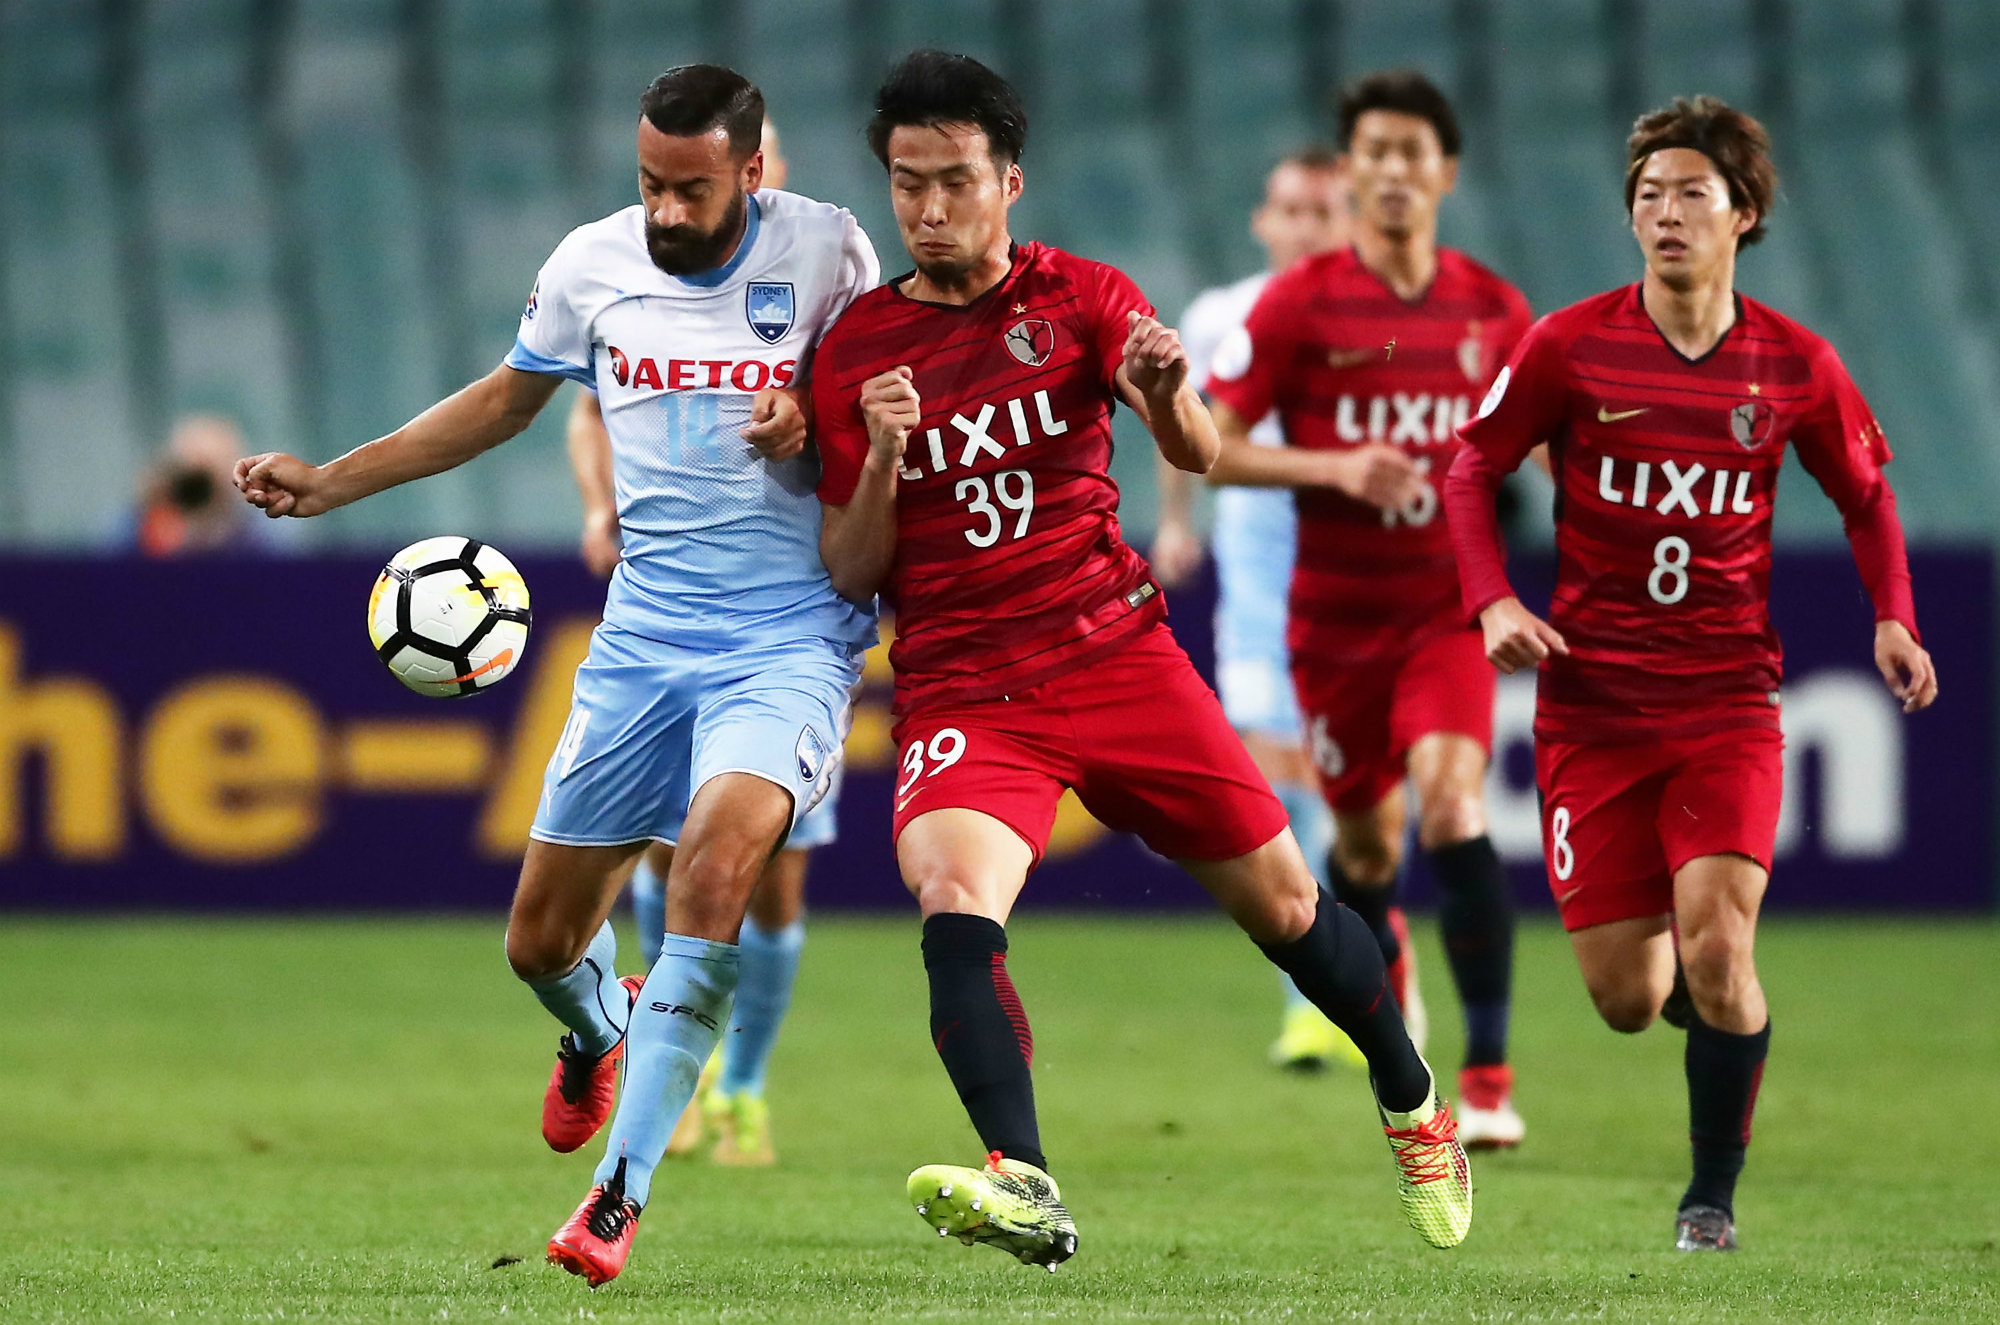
[{"x": 449, "y": 616}]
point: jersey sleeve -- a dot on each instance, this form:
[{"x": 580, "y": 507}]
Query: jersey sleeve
[
  {"x": 1523, "y": 408},
  {"x": 554, "y": 338},
  {"x": 860, "y": 271},
  {"x": 1115, "y": 295},
  {"x": 838, "y": 430},
  {"x": 1842, "y": 447},
  {"x": 1246, "y": 368}
]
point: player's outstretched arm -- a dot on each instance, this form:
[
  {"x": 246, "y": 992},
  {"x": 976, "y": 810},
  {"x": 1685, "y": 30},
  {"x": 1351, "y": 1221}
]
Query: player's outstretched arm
[
  {"x": 590, "y": 461},
  {"x": 858, "y": 541},
  {"x": 1906, "y": 665},
  {"x": 465, "y": 424},
  {"x": 1377, "y": 473},
  {"x": 1153, "y": 379}
]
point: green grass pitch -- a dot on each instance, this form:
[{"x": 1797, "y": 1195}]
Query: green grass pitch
[{"x": 337, "y": 1120}]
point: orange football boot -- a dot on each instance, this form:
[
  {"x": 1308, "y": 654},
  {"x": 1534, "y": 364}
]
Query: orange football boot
[
  {"x": 582, "y": 1089},
  {"x": 598, "y": 1237}
]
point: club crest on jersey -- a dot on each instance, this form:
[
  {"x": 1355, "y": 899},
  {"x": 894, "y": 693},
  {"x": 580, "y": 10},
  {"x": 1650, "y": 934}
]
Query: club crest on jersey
[
  {"x": 1750, "y": 424},
  {"x": 1472, "y": 354},
  {"x": 812, "y": 752},
  {"x": 534, "y": 303},
  {"x": 770, "y": 307},
  {"x": 1031, "y": 341}
]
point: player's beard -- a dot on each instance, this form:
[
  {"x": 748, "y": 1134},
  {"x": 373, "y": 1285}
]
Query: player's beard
[
  {"x": 683, "y": 250},
  {"x": 947, "y": 273}
]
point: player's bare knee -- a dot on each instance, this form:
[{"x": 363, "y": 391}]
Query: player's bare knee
[
  {"x": 1370, "y": 862},
  {"x": 1719, "y": 966},
  {"x": 1626, "y": 1010},
  {"x": 536, "y": 953},
  {"x": 1450, "y": 817}
]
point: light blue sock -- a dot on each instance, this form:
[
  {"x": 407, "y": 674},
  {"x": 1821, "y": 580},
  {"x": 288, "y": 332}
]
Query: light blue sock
[
  {"x": 1312, "y": 825},
  {"x": 675, "y": 1024},
  {"x": 770, "y": 962},
  {"x": 589, "y": 1000},
  {"x": 649, "y": 910}
]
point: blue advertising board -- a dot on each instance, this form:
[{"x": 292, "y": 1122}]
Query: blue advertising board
[{"x": 217, "y": 734}]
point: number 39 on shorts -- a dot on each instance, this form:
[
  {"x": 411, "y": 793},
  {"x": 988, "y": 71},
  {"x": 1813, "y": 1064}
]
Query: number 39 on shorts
[{"x": 945, "y": 748}]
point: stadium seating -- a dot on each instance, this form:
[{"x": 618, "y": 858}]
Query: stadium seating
[{"x": 317, "y": 216}]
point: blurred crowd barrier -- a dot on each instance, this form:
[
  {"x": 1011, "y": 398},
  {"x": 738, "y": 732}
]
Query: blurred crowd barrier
[
  {"x": 216, "y": 733},
  {"x": 315, "y": 217}
]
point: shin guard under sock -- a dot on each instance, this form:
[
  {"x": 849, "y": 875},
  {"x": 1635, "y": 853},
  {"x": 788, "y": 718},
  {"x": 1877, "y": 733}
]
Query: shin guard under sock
[
  {"x": 982, "y": 1033},
  {"x": 1337, "y": 965},
  {"x": 1476, "y": 914},
  {"x": 1723, "y": 1074},
  {"x": 1370, "y": 904},
  {"x": 679, "y": 1016}
]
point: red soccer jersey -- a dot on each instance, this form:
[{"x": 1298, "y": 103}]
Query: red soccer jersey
[
  {"x": 1009, "y": 567},
  {"x": 1346, "y": 362},
  {"x": 1666, "y": 469}
]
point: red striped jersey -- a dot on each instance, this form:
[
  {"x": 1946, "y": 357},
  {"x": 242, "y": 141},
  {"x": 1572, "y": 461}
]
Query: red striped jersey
[
  {"x": 1666, "y": 468},
  {"x": 1345, "y": 362},
  {"x": 1009, "y": 566}
]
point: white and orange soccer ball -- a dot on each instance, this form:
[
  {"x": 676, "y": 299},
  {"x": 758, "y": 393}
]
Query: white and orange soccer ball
[{"x": 449, "y": 616}]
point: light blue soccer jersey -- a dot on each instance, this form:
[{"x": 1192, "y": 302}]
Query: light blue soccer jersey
[
  {"x": 1254, "y": 540},
  {"x": 721, "y": 546}
]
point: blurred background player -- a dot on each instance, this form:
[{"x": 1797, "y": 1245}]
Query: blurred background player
[
  {"x": 1667, "y": 408},
  {"x": 728, "y": 1111},
  {"x": 1372, "y": 357},
  {"x": 1032, "y": 654},
  {"x": 1304, "y": 211}
]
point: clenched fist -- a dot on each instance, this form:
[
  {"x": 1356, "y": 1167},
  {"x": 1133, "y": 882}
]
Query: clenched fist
[
  {"x": 1156, "y": 363},
  {"x": 777, "y": 426},
  {"x": 279, "y": 484},
  {"x": 892, "y": 410}
]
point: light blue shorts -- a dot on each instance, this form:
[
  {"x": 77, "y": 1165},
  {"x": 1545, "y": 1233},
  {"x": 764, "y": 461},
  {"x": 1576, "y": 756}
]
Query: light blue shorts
[
  {"x": 1255, "y": 543},
  {"x": 821, "y": 824},
  {"x": 652, "y": 722}
]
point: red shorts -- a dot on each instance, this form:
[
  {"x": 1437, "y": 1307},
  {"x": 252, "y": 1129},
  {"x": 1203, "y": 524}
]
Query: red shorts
[
  {"x": 1361, "y": 721},
  {"x": 1618, "y": 819},
  {"x": 1135, "y": 731}
]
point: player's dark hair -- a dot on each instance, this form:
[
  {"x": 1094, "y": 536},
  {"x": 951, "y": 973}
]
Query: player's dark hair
[
  {"x": 1313, "y": 156},
  {"x": 931, "y": 88},
  {"x": 1737, "y": 144},
  {"x": 1404, "y": 91},
  {"x": 699, "y": 98}
]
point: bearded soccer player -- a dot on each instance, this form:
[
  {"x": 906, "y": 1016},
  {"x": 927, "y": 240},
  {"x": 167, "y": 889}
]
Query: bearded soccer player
[
  {"x": 1371, "y": 357},
  {"x": 709, "y": 709},
  {"x": 1304, "y": 211},
  {"x": 963, "y": 415},
  {"x": 728, "y": 1117},
  {"x": 1667, "y": 407}
]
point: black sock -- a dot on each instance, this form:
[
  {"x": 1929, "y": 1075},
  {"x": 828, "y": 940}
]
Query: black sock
[
  {"x": 982, "y": 1034},
  {"x": 1371, "y": 904},
  {"x": 1337, "y": 965},
  {"x": 1476, "y": 913},
  {"x": 1723, "y": 1072}
]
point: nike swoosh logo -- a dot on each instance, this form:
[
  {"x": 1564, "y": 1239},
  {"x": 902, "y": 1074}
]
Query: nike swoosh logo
[
  {"x": 506, "y": 657},
  {"x": 903, "y": 802},
  {"x": 1606, "y": 416}
]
